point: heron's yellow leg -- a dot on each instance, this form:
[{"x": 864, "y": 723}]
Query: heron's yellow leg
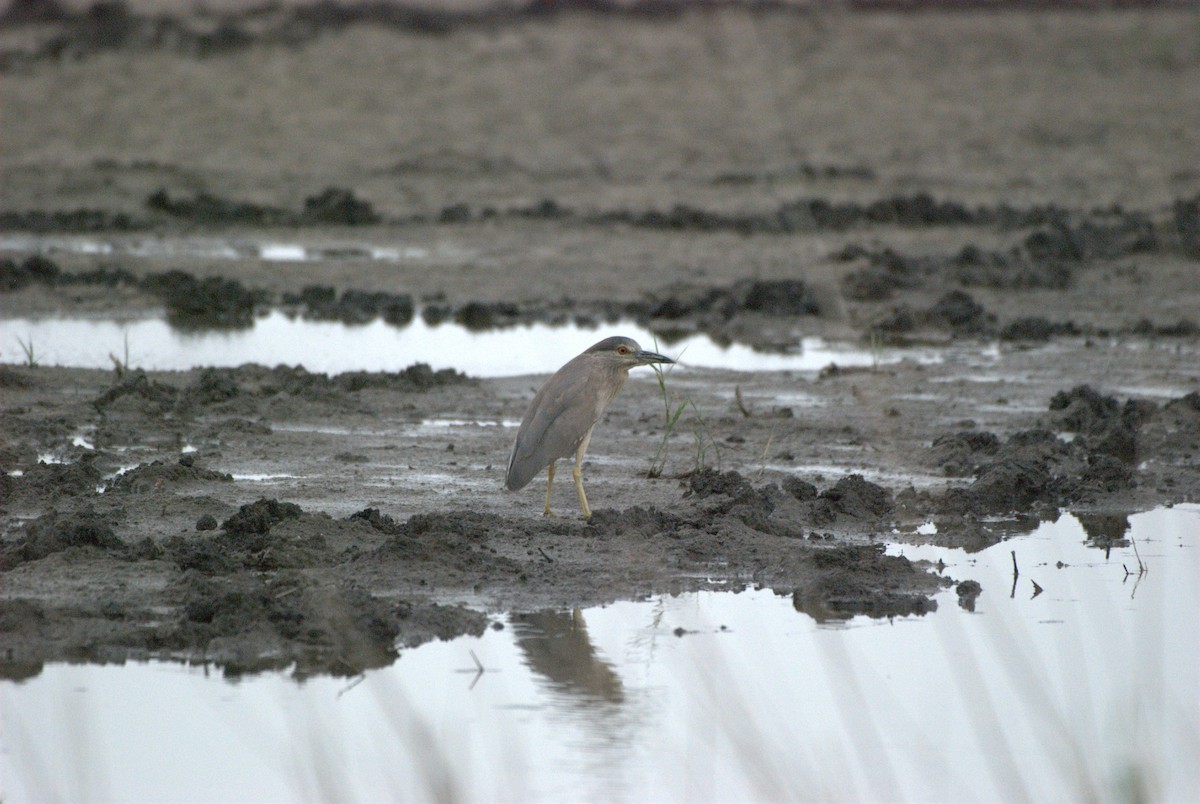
[
  {"x": 549, "y": 485},
  {"x": 577, "y": 473}
]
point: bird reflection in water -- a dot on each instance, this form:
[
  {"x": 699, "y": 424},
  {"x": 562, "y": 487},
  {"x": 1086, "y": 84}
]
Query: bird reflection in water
[{"x": 557, "y": 647}]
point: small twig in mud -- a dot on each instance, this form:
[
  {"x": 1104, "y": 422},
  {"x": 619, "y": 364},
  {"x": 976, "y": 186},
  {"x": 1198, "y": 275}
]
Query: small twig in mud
[
  {"x": 1142, "y": 568},
  {"x": 1037, "y": 590},
  {"x": 121, "y": 366},
  {"x": 741, "y": 403},
  {"x": 703, "y": 430},
  {"x": 763, "y": 458},
  {"x": 548, "y": 558},
  {"x": 1016, "y": 574}
]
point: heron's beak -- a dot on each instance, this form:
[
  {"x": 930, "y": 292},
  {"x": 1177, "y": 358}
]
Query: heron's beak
[{"x": 645, "y": 358}]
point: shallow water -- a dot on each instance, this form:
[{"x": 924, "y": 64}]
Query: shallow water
[
  {"x": 1087, "y": 690},
  {"x": 333, "y": 347}
]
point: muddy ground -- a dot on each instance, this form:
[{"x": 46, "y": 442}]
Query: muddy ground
[{"x": 1016, "y": 190}]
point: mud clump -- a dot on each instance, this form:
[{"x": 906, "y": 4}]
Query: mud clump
[
  {"x": 1047, "y": 258},
  {"x": 775, "y": 297},
  {"x": 332, "y": 206},
  {"x": 151, "y": 476},
  {"x": 204, "y": 208},
  {"x": 856, "y": 580},
  {"x": 851, "y": 499},
  {"x": 854, "y": 497},
  {"x": 1035, "y": 469},
  {"x": 73, "y": 221},
  {"x": 478, "y": 316},
  {"x": 321, "y": 303},
  {"x": 152, "y": 396},
  {"x": 259, "y": 517},
  {"x": 45, "y": 481},
  {"x": 708, "y": 481},
  {"x": 248, "y": 623},
  {"x": 212, "y": 302},
  {"x": 1172, "y": 432},
  {"x": 336, "y": 205},
  {"x": 32, "y": 270},
  {"x": 710, "y": 308},
  {"x": 457, "y": 542},
  {"x": 1036, "y": 328},
  {"x": 54, "y": 532},
  {"x": 255, "y": 539},
  {"x": 961, "y": 313},
  {"x": 1105, "y": 426},
  {"x": 968, "y": 592},
  {"x": 956, "y": 311},
  {"x": 1187, "y": 226},
  {"x": 961, "y": 454},
  {"x": 192, "y": 303},
  {"x": 220, "y": 385}
]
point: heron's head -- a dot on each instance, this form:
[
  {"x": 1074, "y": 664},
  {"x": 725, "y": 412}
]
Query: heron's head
[{"x": 626, "y": 353}]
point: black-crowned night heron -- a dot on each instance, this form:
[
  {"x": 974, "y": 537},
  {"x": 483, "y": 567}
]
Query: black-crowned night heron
[{"x": 561, "y": 416}]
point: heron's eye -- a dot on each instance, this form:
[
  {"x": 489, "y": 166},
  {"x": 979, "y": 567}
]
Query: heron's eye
[{"x": 622, "y": 350}]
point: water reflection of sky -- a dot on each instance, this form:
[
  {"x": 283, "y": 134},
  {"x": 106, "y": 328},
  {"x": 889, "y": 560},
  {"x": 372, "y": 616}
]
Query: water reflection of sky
[
  {"x": 333, "y": 347},
  {"x": 1085, "y": 691}
]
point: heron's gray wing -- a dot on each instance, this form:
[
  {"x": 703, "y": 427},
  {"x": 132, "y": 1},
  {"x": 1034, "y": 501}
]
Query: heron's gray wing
[{"x": 558, "y": 418}]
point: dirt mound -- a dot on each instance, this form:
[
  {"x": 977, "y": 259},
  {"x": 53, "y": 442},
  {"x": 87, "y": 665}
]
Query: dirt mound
[
  {"x": 961, "y": 454},
  {"x": 1036, "y": 470},
  {"x": 49, "y": 480},
  {"x": 54, "y": 532},
  {"x": 854, "y": 497},
  {"x": 151, "y": 476},
  {"x": 321, "y": 303},
  {"x": 860, "y": 580},
  {"x": 332, "y": 206}
]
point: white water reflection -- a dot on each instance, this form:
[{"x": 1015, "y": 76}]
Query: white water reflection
[
  {"x": 332, "y": 347},
  {"x": 1087, "y": 691},
  {"x": 212, "y": 248}
]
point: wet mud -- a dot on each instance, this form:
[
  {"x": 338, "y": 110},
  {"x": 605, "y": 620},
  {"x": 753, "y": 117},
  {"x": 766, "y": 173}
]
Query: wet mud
[{"x": 271, "y": 517}]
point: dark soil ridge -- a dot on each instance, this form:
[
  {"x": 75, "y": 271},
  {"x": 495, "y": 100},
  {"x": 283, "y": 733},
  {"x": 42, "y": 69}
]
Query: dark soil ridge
[
  {"x": 1085, "y": 232},
  {"x": 246, "y": 597},
  {"x": 110, "y": 25},
  {"x": 275, "y": 586},
  {"x": 219, "y": 303}
]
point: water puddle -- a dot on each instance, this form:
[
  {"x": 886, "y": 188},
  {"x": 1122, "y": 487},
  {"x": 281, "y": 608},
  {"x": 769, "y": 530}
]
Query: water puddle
[
  {"x": 1086, "y": 690},
  {"x": 210, "y": 248},
  {"x": 334, "y": 347}
]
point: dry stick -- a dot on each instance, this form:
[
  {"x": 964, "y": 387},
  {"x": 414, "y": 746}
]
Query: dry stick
[
  {"x": 741, "y": 403},
  {"x": 1016, "y": 574},
  {"x": 1142, "y": 568},
  {"x": 763, "y": 458}
]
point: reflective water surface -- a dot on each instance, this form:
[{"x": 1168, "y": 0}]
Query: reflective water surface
[
  {"x": 332, "y": 347},
  {"x": 1084, "y": 690}
]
